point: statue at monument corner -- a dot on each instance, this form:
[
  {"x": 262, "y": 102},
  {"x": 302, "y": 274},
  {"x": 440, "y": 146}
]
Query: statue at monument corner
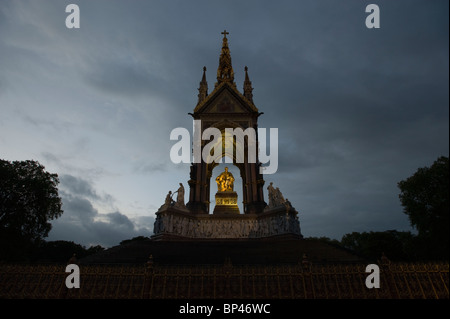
[
  {"x": 225, "y": 181},
  {"x": 179, "y": 203},
  {"x": 180, "y": 197},
  {"x": 275, "y": 197},
  {"x": 279, "y": 199},
  {"x": 167, "y": 202}
]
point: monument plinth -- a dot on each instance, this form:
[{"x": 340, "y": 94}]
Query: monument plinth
[{"x": 226, "y": 203}]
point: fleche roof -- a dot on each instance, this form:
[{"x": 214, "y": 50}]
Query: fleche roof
[{"x": 225, "y": 81}]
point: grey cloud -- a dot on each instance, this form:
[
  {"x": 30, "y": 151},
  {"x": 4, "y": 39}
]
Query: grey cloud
[
  {"x": 78, "y": 209},
  {"x": 82, "y": 221},
  {"x": 78, "y": 186},
  {"x": 145, "y": 222},
  {"x": 155, "y": 166},
  {"x": 120, "y": 220},
  {"x": 63, "y": 161},
  {"x": 150, "y": 167},
  {"x": 117, "y": 77}
]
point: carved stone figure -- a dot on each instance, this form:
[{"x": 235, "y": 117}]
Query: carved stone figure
[
  {"x": 275, "y": 197},
  {"x": 279, "y": 199},
  {"x": 180, "y": 197},
  {"x": 271, "y": 192},
  {"x": 288, "y": 204},
  {"x": 168, "y": 200}
]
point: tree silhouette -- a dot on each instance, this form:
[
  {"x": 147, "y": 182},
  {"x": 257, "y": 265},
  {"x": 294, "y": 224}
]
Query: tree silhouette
[
  {"x": 425, "y": 199},
  {"x": 28, "y": 200},
  {"x": 397, "y": 246}
]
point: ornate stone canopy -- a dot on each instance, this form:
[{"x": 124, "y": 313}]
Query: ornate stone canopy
[{"x": 227, "y": 108}]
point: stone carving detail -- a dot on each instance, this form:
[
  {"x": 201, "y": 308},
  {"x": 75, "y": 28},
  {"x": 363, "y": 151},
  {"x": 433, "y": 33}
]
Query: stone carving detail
[
  {"x": 279, "y": 218},
  {"x": 186, "y": 226},
  {"x": 226, "y": 201}
]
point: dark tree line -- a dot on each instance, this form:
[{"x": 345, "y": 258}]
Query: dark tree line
[
  {"x": 397, "y": 246},
  {"x": 425, "y": 200},
  {"x": 60, "y": 251}
]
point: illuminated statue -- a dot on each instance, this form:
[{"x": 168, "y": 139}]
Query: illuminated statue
[{"x": 225, "y": 181}]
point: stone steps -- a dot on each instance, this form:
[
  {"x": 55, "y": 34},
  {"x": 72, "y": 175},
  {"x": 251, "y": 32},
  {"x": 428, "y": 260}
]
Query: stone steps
[{"x": 257, "y": 251}]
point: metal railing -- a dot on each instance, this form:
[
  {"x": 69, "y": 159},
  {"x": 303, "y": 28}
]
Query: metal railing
[{"x": 153, "y": 281}]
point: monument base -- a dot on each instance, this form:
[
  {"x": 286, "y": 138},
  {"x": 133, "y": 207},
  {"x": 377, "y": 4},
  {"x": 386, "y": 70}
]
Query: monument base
[
  {"x": 226, "y": 203},
  {"x": 173, "y": 223},
  {"x": 282, "y": 250}
]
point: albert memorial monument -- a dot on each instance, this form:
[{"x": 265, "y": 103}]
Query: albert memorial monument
[{"x": 226, "y": 107}]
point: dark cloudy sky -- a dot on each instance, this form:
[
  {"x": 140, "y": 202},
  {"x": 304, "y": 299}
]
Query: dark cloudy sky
[{"x": 357, "y": 109}]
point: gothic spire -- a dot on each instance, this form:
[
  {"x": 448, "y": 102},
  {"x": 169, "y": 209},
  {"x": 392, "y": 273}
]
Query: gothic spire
[
  {"x": 225, "y": 71},
  {"x": 248, "y": 87},
  {"x": 203, "y": 89}
]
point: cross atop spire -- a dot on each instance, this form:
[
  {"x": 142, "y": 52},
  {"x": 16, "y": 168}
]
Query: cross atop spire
[{"x": 225, "y": 71}]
